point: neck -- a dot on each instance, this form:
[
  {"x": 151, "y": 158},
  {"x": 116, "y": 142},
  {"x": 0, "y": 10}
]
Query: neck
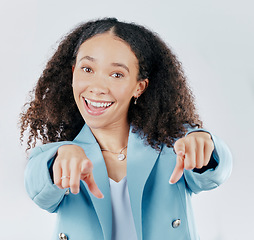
[{"x": 113, "y": 138}]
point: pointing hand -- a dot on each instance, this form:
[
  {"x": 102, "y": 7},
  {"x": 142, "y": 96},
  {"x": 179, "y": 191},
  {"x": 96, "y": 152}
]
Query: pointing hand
[{"x": 193, "y": 151}]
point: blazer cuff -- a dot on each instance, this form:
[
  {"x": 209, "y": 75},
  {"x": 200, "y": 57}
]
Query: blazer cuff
[
  {"x": 212, "y": 177},
  {"x": 38, "y": 182}
]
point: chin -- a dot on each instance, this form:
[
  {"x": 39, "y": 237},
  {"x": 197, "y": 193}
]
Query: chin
[{"x": 95, "y": 124}]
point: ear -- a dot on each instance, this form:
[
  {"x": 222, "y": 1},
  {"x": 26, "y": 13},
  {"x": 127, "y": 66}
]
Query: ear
[{"x": 141, "y": 87}]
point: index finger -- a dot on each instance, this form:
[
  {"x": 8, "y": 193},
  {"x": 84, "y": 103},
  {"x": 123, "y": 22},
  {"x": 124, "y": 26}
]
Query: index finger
[
  {"x": 89, "y": 179},
  {"x": 87, "y": 176},
  {"x": 178, "y": 171},
  {"x": 179, "y": 149}
]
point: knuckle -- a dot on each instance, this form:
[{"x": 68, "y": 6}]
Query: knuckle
[
  {"x": 190, "y": 136},
  {"x": 199, "y": 162},
  {"x": 210, "y": 146},
  {"x": 57, "y": 182},
  {"x": 65, "y": 185},
  {"x": 74, "y": 185},
  {"x": 199, "y": 165},
  {"x": 179, "y": 145},
  {"x": 188, "y": 140},
  {"x": 56, "y": 164},
  {"x": 74, "y": 190},
  {"x": 179, "y": 141},
  {"x": 87, "y": 164},
  {"x": 59, "y": 186},
  {"x": 199, "y": 143},
  {"x": 199, "y": 140},
  {"x": 84, "y": 176},
  {"x": 189, "y": 165},
  {"x": 55, "y": 169},
  {"x": 61, "y": 162},
  {"x": 207, "y": 160},
  {"x": 75, "y": 159},
  {"x": 206, "y": 163}
]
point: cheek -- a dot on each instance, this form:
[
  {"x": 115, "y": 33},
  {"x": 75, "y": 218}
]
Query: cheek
[
  {"x": 77, "y": 90},
  {"x": 124, "y": 94},
  {"x": 78, "y": 86}
]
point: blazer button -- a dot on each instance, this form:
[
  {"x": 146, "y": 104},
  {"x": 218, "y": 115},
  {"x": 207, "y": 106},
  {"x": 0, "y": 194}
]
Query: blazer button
[
  {"x": 67, "y": 192},
  {"x": 62, "y": 236},
  {"x": 176, "y": 223}
]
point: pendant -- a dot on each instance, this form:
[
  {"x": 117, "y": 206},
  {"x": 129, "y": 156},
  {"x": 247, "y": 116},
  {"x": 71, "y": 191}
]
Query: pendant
[{"x": 121, "y": 157}]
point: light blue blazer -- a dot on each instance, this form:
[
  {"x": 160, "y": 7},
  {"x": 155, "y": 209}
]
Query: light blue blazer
[{"x": 155, "y": 203}]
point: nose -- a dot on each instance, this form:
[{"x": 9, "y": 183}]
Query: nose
[{"x": 99, "y": 86}]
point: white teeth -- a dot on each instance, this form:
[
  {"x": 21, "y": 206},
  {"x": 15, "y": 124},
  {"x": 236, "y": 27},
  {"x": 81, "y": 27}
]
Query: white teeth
[{"x": 98, "y": 104}]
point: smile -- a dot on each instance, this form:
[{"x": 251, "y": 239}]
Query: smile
[
  {"x": 96, "y": 108},
  {"x": 98, "y": 104}
]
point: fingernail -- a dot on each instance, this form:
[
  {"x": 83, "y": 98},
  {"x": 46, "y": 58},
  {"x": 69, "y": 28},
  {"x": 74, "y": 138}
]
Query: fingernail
[
  {"x": 100, "y": 194},
  {"x": 170, "y": 181}
]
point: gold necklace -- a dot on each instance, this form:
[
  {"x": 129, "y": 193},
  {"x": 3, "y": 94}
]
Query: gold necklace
[{"x": 121, "y": 156}]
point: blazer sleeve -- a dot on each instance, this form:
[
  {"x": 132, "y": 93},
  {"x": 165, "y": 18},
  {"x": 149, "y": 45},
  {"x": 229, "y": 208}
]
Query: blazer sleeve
[
  {"x": 38, "y": 182},
  {"x": 212, "y": 177}
]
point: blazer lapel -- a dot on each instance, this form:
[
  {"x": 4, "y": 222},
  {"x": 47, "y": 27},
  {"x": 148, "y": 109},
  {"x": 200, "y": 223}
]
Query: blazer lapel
[
  {"x": 140, "y": 161},
  {"x": 103, "y": 206}
]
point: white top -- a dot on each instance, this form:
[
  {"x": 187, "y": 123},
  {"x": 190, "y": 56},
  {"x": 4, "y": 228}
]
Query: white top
[{"x": 123, "y": 227}]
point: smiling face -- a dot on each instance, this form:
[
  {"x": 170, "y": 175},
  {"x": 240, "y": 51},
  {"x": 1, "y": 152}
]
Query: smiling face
[{"x": 105, "y": 80}]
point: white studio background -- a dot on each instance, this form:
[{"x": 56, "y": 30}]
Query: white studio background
[{"x": 214, "y": 41}]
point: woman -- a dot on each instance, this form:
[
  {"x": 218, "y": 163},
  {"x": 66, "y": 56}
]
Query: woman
[{"x": 118, "y": 124}]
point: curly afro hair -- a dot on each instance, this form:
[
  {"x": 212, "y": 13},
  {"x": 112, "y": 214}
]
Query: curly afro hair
[{"x": 162, "y": 113}]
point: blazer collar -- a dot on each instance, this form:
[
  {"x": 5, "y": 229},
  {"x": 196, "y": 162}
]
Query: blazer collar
[
  {"x": 85, "y": 136},
  {"x": 140, "y": 161}
]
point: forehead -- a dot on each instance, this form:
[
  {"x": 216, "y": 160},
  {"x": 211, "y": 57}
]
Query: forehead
[{"x": 107, "y": 46}]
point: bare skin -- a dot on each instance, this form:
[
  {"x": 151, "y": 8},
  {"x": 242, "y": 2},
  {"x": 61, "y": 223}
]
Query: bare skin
[
  {"x": 104, "y": 82},
  {"x": 193, "y": 151},
  {"x": 117, "y": 170},
  {"x": 71, "y": 161}
]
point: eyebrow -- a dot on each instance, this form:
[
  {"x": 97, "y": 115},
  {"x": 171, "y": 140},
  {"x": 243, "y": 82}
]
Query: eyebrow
[
  {"x": 113, "y": 64},
  {"x": 88, "y": 58},
  {"x": 121, "y": 65}
]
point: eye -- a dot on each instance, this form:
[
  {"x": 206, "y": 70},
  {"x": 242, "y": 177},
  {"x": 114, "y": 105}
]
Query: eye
[
  {"x": 87, "y": 69},
  {"x": 117, "y": 75}
]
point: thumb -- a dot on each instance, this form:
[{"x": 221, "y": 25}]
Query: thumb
[
  {"x": 179, "y": 147},
  {"x": 86, "y": 167}
]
